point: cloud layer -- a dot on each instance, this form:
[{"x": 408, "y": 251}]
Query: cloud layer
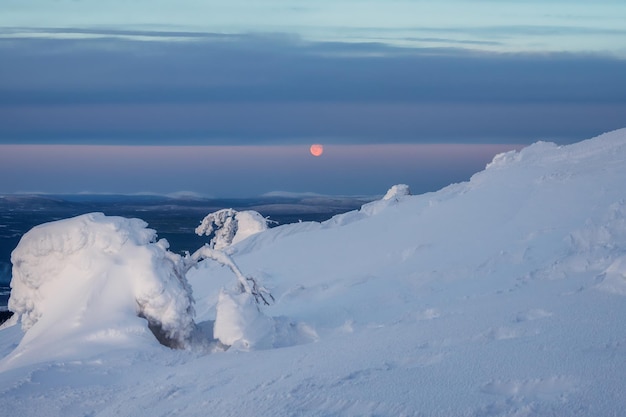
[{"x": 224, "y": 89}]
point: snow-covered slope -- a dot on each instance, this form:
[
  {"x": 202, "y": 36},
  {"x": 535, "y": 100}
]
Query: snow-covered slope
[{"x": 502, "y": 296}]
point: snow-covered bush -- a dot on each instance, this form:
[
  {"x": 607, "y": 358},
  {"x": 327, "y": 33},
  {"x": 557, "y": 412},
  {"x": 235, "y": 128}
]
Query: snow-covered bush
[
  {"x": 92, "y": 269},
  {"x": 229, "y": 226}
]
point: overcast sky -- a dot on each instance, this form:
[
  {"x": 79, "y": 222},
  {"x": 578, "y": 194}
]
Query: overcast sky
[{"x": 353, "y": 75}]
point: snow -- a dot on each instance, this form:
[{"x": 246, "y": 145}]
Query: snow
[
  {"x": 500, "y": 296},
  {"x": 228, "y": 226},
  {"x": 88, "y": 279},
  {"x": 239, "y": 323},
  {"x": 397, "y": 191}
]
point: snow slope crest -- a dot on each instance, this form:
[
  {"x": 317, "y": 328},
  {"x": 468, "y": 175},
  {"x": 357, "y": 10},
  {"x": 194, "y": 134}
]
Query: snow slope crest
[{"x": 604, "y": 145}]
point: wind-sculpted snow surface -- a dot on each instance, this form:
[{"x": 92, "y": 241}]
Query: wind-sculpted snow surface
[{"x": 501, "y": 296}]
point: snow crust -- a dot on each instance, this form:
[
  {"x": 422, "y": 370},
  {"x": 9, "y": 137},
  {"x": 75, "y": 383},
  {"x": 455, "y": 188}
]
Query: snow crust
[{"x": 500, "y": 296}]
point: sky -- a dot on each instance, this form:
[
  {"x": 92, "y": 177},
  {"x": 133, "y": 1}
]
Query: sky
[{"x": 224, "y": 98}]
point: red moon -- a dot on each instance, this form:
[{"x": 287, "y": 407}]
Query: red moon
[{"x": 316, "y": 149}]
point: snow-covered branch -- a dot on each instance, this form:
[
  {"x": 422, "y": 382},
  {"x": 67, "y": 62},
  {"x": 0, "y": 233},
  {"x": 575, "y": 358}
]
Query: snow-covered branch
[{"x": 246, "y": 284}]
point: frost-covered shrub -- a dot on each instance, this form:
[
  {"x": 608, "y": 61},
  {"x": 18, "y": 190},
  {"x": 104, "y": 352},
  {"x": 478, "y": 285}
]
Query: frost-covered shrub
[
  {"x": 88, "y": 268},
  {"x": 229, "y": 226}
]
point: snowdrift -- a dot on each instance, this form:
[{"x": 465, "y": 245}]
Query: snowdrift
[{"x": 500, "y": 296}]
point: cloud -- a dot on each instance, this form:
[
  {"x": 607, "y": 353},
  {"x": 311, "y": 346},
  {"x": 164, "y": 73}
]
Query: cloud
[
  {"x": 263, "y": 88},
  {"x": 25, "y": 33},
  {"x": 534, "y": 30},
  {"x": 512, "y": 24}
]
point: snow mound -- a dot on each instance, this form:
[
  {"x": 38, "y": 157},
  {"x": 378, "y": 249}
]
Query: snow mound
[
  {"x": 239, "y": 323},
  {"x": 98, "y": 274},
  {"x": 396, "y": 191}
]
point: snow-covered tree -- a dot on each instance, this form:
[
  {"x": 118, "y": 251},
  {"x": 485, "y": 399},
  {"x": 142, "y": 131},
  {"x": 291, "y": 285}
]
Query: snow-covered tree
[
  {"x": 238, "y": 320},
  {"x": 99, "y": 272},
  {"x": 95, "y": 275},
  {"x": 229, "y": 226}
]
